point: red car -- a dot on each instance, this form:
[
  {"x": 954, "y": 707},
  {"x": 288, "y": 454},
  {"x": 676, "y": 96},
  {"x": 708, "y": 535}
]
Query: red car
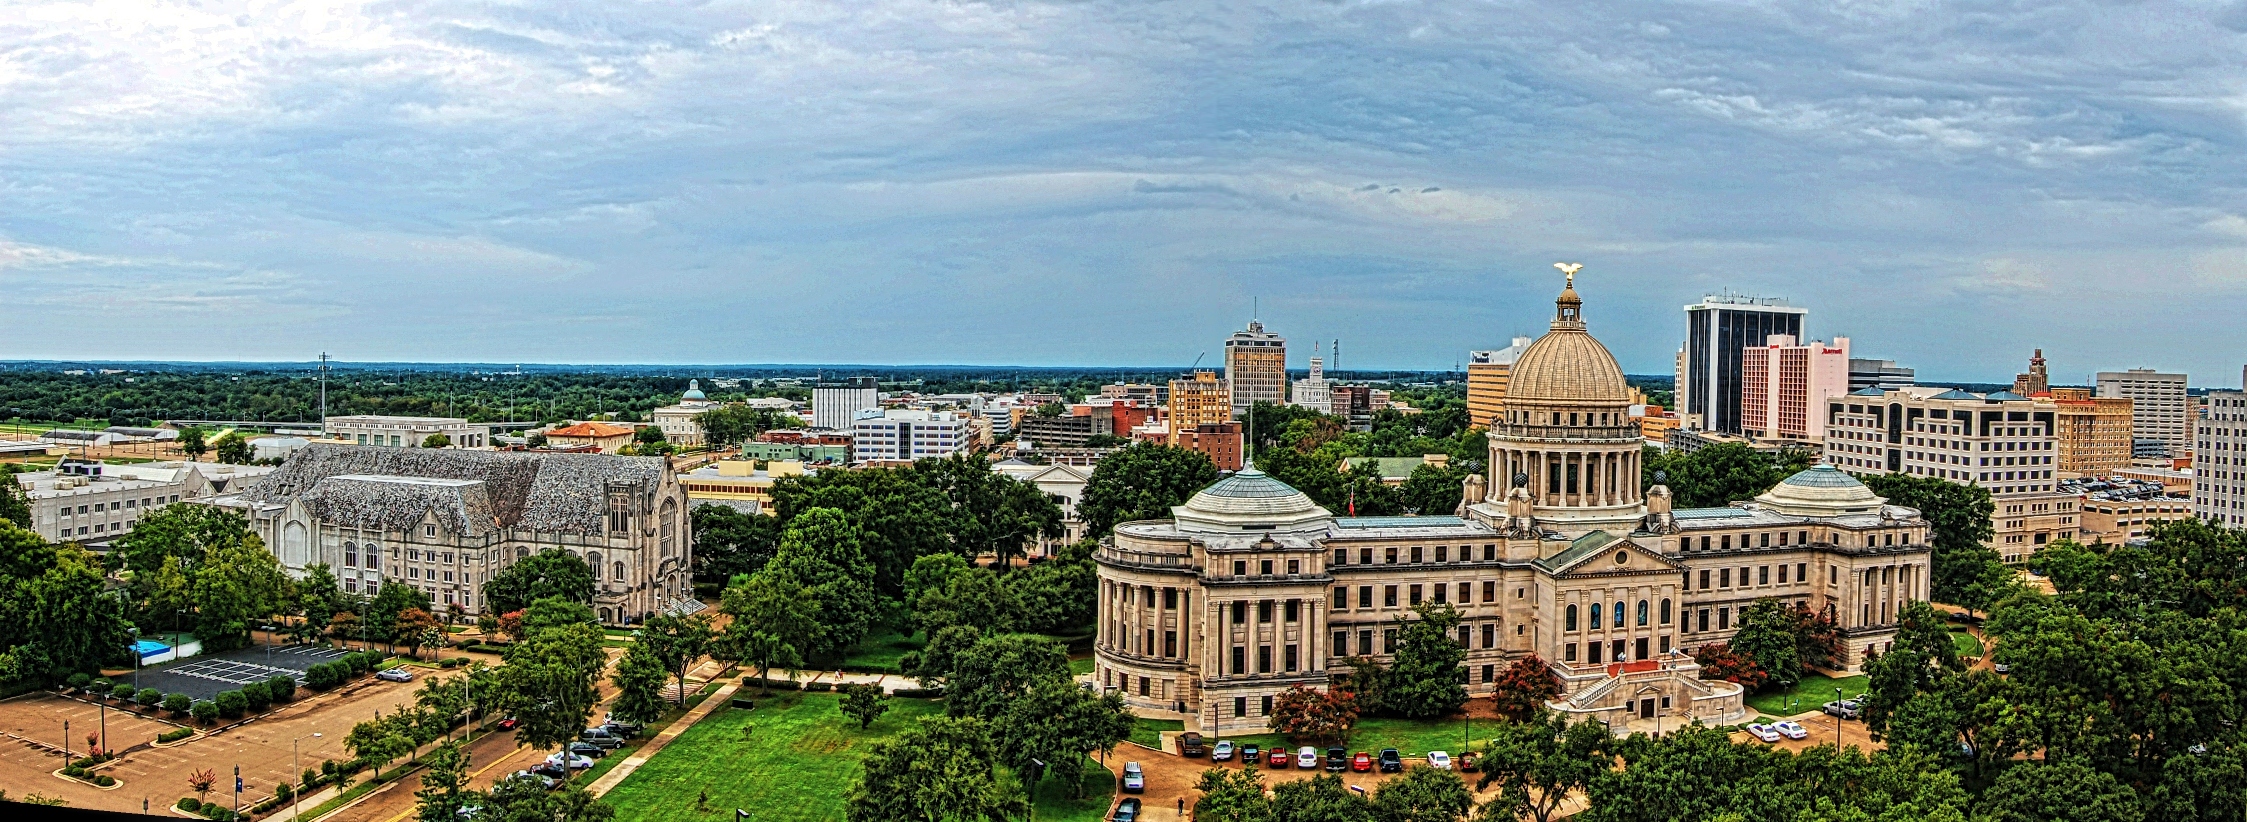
[
  {"x": 1278, "y": 759},
  {"x": 1362, "y": 763},
  {"x": 509, "y": 723}
]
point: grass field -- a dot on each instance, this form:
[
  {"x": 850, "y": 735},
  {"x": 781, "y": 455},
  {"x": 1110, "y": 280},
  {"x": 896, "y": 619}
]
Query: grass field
[
  {"x": 881, "y": 652},
  {"x": 792, "y": 759},
  {"x": 1148, "y": 731},
  {"x": 1080, "y": 667},
  {"x": 1967, "y": 644},
  {"x": 1814, "y": 690}
]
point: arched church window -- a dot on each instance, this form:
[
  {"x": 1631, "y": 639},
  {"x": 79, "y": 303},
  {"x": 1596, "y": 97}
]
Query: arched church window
[{"x": 1572, "y": 616}]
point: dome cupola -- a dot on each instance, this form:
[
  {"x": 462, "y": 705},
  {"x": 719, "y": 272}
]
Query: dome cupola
[{"x": 1249, "y": 500}]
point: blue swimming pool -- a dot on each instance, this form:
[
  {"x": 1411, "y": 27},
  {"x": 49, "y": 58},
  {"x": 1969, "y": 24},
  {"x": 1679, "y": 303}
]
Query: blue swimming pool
[{"x": 150, "y": 647}]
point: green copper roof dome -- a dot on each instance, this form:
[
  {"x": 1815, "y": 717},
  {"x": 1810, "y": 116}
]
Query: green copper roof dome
[
  {"x": 1822, "y": 475},
  {"x": 1249, "y": 498},
  {"x": 1821, "y": 491}
]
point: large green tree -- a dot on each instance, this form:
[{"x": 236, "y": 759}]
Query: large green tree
[
  {"x": 677, "y": 642},
  {"x": 236, "y": 586},
  {"x": 728, "y": 542},
  {"x": 1966, "y": 571},
  {"x": 939, "y": 770},
  {"x": 1766, "y": 635},
  {"x": 1232, "y": 796},
  {"x": 1057, "y": 596},
  {"x": 1538, "y": 763},
  {"x": 639, "y": 678},
  {"x": 1142, "y": 481},
  {"x": 56, "y": 616},
  {"x": 551, "y": 670},
  {"x": 444, "y": 789},
  {"x": 187, "y": 532},
  {"x": 1057, "y": 722},
  {"x": 822, "y": 555},
  {"x": 1719, "y": 475},
  {"x": 991, "y": 513},
  {"x": 997, "y": 670},
  {"x": 2067, "y": 789},
  {"x": 899, "y": 515},
  {"x": 1424, "y": 679},
  {"x": 15, "y": 505},
  {"x": 1423, "y": 795},
  {"x": 549, "y": 573},
  {"x": 1321, "y": 798}
]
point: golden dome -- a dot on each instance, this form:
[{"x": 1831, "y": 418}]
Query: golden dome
[{"x": 1567, "y": 365}]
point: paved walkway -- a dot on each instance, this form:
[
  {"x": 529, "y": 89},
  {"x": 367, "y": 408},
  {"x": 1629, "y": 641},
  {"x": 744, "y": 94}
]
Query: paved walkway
[{"x": 616, "y": 775}]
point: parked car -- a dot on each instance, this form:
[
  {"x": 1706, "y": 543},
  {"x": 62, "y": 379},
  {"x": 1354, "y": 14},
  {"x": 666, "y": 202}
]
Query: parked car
[
  {"x": 1468, "y": 762},
  {"x": 1846, "y": 709},
  {"x": 395, "y": 675},
  {"x": 1134, "y": 779},
  {"x": 1391, "y": 761},
  {"x": 1763, "y": 732},
  {"x": 569, "y": 760},
  {"x": 509, "y": 723},
  {"x": 1190, "y": 745},
  {"x": 543, "y": 780},
  {"x": 588, "y": 749},
  {"x": 621, "y": 730},
  {"x": 601, "y": 738},
  {"x": 1223, "y": 752},
  {"x": 1337, "y": 759},
  {"x": 1439, "y": 760},
  {"x": 1791, "y": 729},
  {"x": 2001, "y": 667},
  {"x": 1307, "y": 758},
  {"x": 1252, "y": 755},
  {"x": 550, "y": 770},
  {"x": 1278, "y": 758},
  {"x": 1362, "y": 762},
  {"x": 1126, "y": 811}
]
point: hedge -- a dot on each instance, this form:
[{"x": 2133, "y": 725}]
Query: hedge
[
  {"x": 776, "y": 684},
  {"x": 123, "y": 690},
  {"x": 917, "y": 693},
  {"x": 149, "y": 697},
  {"x": 105, "y": 780},
  {"x": 189, "y": 804},
  {"x": 486, "y": 648},
  {"x": 78, "y": 681},
  {"x": 255, "y": 696},
  {"x": 175, "y": 735},
  {"x": 177, "y": 703}
]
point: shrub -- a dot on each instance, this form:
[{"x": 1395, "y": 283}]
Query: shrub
[
  {"x": 100, "y": 685},
  {"x": 256, "y": 697},
  {"x": 177, "y": 703},
  {"x": 203, "y": 710},
  {"x": 79, "y": 680},
  {"x": 175, "y": 735},
  {"x": 189, "y": 804},
  {"x": 281, "y": 688},
  {"x": 149, "y": 697},
  {"x": 232, "y": 703},
  {"x": 123, "y": 690},
  {"x": 917, "y": 693},
  {"x": 324, "y": 676},
  {"x": 74, "y": 772},
  {"x": 819, "y": 686},
  {"x": 105, "y": 780}
]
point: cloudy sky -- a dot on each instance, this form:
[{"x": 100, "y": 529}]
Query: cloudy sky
[{"x": 1113, "y": 181}]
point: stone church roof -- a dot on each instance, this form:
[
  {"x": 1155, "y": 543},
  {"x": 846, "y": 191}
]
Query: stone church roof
[{"x": 478, "y": 490}]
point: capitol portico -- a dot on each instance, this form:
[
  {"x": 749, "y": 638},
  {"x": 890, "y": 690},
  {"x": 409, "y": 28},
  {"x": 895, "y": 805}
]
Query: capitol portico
[{"x": 1250, "y": 587}]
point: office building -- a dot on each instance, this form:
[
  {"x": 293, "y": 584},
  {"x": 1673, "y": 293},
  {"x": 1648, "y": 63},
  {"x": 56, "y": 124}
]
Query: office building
[
  {"x": 1070, "y": 429},
  {"x": 598, "y": 437},
  {"x": 1884, "y": 375},
  {"x": 739, "y": 484},
  {"x": 2158, "y": 427},
  {"x": 2219, "y": 465},
  {"x": 1255, "y": 368},
  {"x": 904, "y": 435},
  {"x": 836, "y": 403},
  {"x": 1142, "y": 392},
  {"x": 2094, "y": 432},
  {"x": 91, "y": 503},
  {"x": 2000, "y": 441},
  {"x": 2037, "y": 380},
  {"x": 1486, "y": 381},
  {"x": 1353, "y": 403},
  {"x": 1717, "y": 329},
  {"x": 1250, "y": 588},
  {"x": 1198, "y": 400},
  {"x": 1314, "y": 391},
  {"x": 1220, "y": 441},
  {"x": 406, "y": 432},
  {"x": 445, "y": 521},
  {"x": 1784, "y": 387}
]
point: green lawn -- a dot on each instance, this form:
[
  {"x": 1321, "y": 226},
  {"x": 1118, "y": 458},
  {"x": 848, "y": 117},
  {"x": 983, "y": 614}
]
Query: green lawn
[
  {"x": 1148, "y": 731},
  {"x": 795, "y": 757},
  {"x": 1967, "y": 644},
  {"x": 1814, "y": 690},
  {"x": 881, "y": 652},
  {"x": 1080, "y": 667}
]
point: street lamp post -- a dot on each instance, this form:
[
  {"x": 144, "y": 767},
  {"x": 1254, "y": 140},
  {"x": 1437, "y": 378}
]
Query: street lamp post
[
  {"x": 1837, "y": 718},
  {"x": 296, "y": 797}
]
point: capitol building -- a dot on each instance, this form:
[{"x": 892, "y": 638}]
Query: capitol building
[{"x": 1250, "y": 588}]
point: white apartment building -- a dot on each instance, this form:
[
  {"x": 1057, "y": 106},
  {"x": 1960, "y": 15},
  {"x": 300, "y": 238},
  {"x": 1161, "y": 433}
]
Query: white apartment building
[
  {"x": 906, "y": 435},
  {"x": 1313, "y": 391},
  {"x": 406, "y": 432},
  {"x": 2157, "y": 410},
  {"x": 836, "y": 403},
  {"x": 2001, "y": 441},
  {"x": 91, "y": 503},
  {"x": 2219, "y": 488}
]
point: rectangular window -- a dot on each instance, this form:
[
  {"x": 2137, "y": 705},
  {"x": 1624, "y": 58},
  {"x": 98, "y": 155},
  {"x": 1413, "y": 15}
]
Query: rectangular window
[
  {"x": 1294, "y": 610},
  {"x": 1388, "y": 596},
  {"x": 1267, "y": 706},
  {"x": 1263, "y": 611},
  {"x": 1341, "y": 556},
  {"x": 1489, "y": 673},
  {"x": 1704, "y": 579},
  {"x": 1665, "y": 643},
  {"x": 1365, "y": 643},
  {"x": 1263, "y": 659},
  {"x": 1443, "y": 593},
  {"x": 1801, "y": 572},
  {"x": 1489, "y": 552},
  {"x": 1170, "y": 643},
  {"x": 1389, "y": 555},
  {"x": 1489, "y": 635},
  {"x": 1415, "y": 594},
  {"x": 1294, "y": 566},
  {"x": 1365, "y": 596},
  {"x": 1170, "y": 598},
  {"x": 1443, "y": 553},
  {"x": 1568, "y": 652},
  {"x": 1240, "y": 567},
  {"x": 1365, "y": 556},
  {"x": 1240, "y": 611},
  {"x": 1290, "y": 660},
  {"x": 1782, "y": 574},
  {"x": 1704, "y": 619},
  {"x": 1723, "y": 618},
  {"x": 1341, "y": 597},
  {"x": 1490, "y": 592},
  {"x": 1341, "y": 643},
  {"x": 1591, "y": 652},
  {"x": 1764, "y": 541},
  {"x": 1240, "y": 660},
  {"x": 1389, "y": 640},
  {"x": 1724, "y": 579},
  {"x": 1833, "y": 575},
  {"x": 1240, "y": 706},
  {"x": 1763, "y": 575},
  {"x": 1416, "y": 553},
  {"x": 1264, "y": 567},
  {"x": 1463, "y": 638}
]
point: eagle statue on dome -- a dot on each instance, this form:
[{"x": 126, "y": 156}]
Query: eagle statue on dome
[{"x": 1570, "y": 269}]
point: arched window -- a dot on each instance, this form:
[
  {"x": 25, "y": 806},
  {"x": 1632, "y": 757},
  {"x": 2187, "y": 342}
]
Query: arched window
[
  {"x": 522, "y": 553},
  {"x": 669, "y": 516},
  {"x": 374, "y": 557},
  {"x": 593, "y": 563},
  {"x": 1595, "y": 616},
  {"x": 1665, "y": 612},
  {"x": 1642, "y": 612},
  {"x": 1618, "y": 613},
  {"x": 351, "y": 555},
  {"x": 617, "y": 572},
  {"x": 1572, "y": 616}
]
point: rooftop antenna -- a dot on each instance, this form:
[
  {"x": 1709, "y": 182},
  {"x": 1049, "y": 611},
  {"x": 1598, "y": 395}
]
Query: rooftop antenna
[
  {"x": 323, "y": 392},
  {"x": 1256, "y": 308}
]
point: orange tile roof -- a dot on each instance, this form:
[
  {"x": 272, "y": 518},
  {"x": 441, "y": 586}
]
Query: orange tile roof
[{"x": 591, "y": 429}]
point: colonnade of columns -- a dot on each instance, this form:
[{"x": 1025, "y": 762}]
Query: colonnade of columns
[{"x": 1570, "y": 477}]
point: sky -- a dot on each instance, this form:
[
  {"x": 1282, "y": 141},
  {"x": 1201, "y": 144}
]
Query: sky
[{"x": 1118, "y": 182}]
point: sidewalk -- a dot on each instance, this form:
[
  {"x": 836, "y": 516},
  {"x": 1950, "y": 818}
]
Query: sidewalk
[{"x": 608, "y": 781}]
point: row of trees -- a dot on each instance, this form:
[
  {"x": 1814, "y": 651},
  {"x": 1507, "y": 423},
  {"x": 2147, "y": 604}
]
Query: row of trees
[{"x": 1776, "y": 644}]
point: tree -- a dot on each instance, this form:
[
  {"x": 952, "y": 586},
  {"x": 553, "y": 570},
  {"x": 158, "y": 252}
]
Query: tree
[
  {"x": 1424, "y": 680},
  {"x": 549, "y": 573},
  {"x": 864, "y": 702},
  {"x": 57, "y": 616},
  {"x": 728, "y": 542},
  {"x": 1057, "y": 722},
  {"x": 899, "y": 514},
  {"x": 1232, "y": 796},
  {"x": 416, "y": 626},
  {"x": 1719, "y": 661},
  {"x": 2067, "y": 789},
  {"x": 639, "y": 679},
  {"x": 940, "y": 770},
  {"x": 1766, "y": 636},
  {"x": 1917, "y": 658},
  {"x": 1423, "y": 795},
  {"x": 944, "y": 590},
  {"x": 192, "y": 444},
  {"x": 820, "y": 553},
  {"x": 1719, "y": 475},
  {"x": 185, "y": 532},
  {"x": 528, "y": 800},
  {"x": 1525, "y": 686},
  {"x": 677, "y": 642},
  {"x": 233, "y": 448},
  {"x": 201, "y": 782},
  {"x": 438, "y": 440},
  {"x": 1305, "y": 715},
  {"x": 999, "y": 669},
  {"x": 394, "y": 598},
  {"x": 550, "y": 672},
  {"x": 444, "y": 780},
  {"x": 734, "y": 423},
  {"x": 15, "y": 505},
  {"x": 1966, "y": 571},
  {"x": 1321, "y": 798},
  {"x": 381, "y": 740},
  {"x": 1433, "y": 490},
  {"x": 1537, "y": 763},
  {"x": 1057, "y": 596},
  {"x": 319, "y": 595},
  {"x": 1142, "y": 481},
  {"x": 992, "y": 513}
]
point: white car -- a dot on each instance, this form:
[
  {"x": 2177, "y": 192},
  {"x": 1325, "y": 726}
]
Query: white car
[
  {"x": 1134, "y": 779},
  {"x": 1307, "y": 758},
  {"x": 1763, "y": 732},
  {"x": 1791, "y": 729},
  {"x": 1439, "y": 760},
  {"x": 395, "y": 675},
  {"x": 574, "y": 761}
]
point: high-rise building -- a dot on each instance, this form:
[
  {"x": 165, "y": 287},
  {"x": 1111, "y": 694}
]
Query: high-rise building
[
  {"x": 1717, "y": 329},
  {"x": 1312, "y": 391},
  {"x": 1200, "y": 400},
  {"x": 2219, "y": 486},
  {"x": 2036, "y": 381},
  {"x": 1487, "y": 373},
  {"x": 836, "y": 403},
  {"x": 1255, "y": 367},
  {"x": 1784, "y": 386},
  {"x": 1884, "y": 375},
  {"x": 904, "y": 435},
  {"x": 2094, "y": 431},
  {"x": 2158, "y": 428},
  {"x": 2001, "y": 441}
]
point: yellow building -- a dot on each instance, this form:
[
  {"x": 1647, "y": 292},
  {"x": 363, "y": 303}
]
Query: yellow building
[
  {"x": 739, "y": 483},
  {"x": 2094, "y": 432},
  {"x": 1487, "y": 374},
  {"x": 1202, "y": 400}
]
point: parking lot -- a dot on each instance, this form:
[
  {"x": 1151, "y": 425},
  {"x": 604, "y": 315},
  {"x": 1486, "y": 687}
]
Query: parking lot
[{"x": 202, "y": 677}]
